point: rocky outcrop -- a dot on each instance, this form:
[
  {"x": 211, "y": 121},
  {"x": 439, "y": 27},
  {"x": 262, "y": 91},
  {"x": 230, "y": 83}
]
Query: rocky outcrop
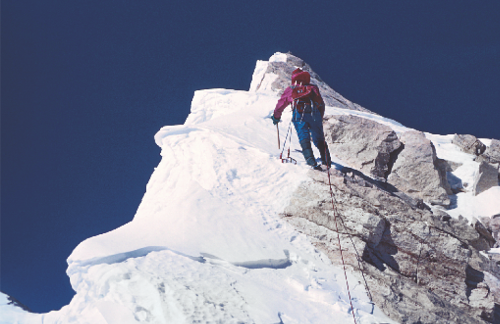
[
  {"x": 363, "y": 144},
  {"x": 409, "y": 163},
  {"x": 484, "y": 154},
  {"x": 416, "y": 170},
  {"x": 485, "y": 178},
  {"x": 283, "y": 70},
  {"x": 491, "y": 154},
  {"x": 449, "y": 181},
  {"x": 411, "y": 259},
  {"x": 469, "y": 144},
  {"x": 493, "y": 226}
]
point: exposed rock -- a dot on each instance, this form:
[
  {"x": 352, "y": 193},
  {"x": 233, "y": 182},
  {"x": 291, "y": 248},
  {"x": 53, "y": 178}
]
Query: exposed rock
[
  {"x": 411, "y": 259},
  {"x": 450, "y": 183},
  {"x": 416, "y": 170},
  {"x": 284, "y": 72},
  {"x": 420, "y": 266},
  {"x": 448, "y": 166},
  {"x": 484, "y": 232},
  {"x": 491, "y": 154},
  {"x": 469, "y": 144},
  {"x": 486, "y": 221},
  {"x": 455, "y": 183},
  {"x": 494, "y": 226},
  {"x": 485, "y": 178},
  {"x": 480, "y": 297},
  {"x": 364, "y": 144},
  {"x": 444, "y": 167}
]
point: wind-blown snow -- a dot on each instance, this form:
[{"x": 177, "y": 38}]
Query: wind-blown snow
[{"x": 206, "y": 244}]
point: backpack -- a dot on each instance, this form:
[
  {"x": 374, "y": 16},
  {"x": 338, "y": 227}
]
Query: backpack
[{"x": 306, "y": 98}]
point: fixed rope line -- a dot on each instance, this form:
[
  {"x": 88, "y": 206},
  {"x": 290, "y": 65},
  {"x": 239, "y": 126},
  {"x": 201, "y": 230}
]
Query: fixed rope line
[
  {"x": 357, "y": 254},
  {"x": 359, "y": 265},
  {"x": 334, "y": 202},
  {"x": 340, "y": 245},
  {"x": 334, "y": 208}
]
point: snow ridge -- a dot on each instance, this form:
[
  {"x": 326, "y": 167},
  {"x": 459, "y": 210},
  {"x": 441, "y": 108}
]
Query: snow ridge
[{"x": 207, "y": 244}]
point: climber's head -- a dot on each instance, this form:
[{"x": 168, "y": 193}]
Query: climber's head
[{"x": 299, "y": 76}]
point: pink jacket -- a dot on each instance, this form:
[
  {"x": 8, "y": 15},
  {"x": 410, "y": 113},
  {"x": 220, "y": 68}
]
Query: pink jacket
[{"x": 286, "y": 99}]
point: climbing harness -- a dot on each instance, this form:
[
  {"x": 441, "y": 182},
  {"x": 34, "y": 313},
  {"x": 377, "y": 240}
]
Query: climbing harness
[
  {"x": 302, "y": 106},
  {"x": 288, "y": 158}
]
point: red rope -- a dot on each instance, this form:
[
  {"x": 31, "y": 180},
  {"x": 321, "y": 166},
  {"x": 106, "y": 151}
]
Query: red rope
[{"x": 340, "y": 246}]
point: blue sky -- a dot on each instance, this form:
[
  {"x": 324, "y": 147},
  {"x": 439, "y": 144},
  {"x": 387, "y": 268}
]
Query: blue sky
[{"x": 86, "y": 85}]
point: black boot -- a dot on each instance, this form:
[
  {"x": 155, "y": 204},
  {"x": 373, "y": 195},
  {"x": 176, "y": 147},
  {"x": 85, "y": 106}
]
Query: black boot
[
  {"x": 326, "y": 159},
  {"x": 308, "y": 152}
]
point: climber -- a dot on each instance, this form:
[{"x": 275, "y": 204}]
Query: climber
[{"x": 308, "y": 109}]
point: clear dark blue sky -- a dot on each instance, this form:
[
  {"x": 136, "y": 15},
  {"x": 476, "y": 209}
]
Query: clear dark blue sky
[{"x": 86, "y": 84}]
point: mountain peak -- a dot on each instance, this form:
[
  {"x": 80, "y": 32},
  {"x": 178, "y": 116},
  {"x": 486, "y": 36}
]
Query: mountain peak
[
  {"x": 275, "y": 75},
  {"x": 228, "y": 233}
]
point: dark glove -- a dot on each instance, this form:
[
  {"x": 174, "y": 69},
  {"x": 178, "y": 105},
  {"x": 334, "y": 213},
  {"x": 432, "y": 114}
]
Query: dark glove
[{"x": 275, "y": 120}]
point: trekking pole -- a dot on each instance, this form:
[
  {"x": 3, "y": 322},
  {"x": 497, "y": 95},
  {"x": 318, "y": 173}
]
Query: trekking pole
[
  {"x": 288, "y": 159},
  {"x": 278, "y": 130},
  {"x": 289, "y": 144},
  {"x": 286, "y": 138}
]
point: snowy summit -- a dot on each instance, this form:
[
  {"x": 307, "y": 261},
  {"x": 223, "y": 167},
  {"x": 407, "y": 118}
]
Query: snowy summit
[{"x": 221, "y": 236}]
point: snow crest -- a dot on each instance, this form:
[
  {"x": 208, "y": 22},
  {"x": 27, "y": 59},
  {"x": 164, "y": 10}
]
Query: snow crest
[{"x": 206, "y": 244}]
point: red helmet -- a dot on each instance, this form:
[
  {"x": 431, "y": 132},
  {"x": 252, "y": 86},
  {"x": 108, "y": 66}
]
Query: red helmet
[{"x": 301, "y": 76}]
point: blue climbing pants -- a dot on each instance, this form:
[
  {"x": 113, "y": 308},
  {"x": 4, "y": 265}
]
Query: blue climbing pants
[{"x": 309, "y": 124}]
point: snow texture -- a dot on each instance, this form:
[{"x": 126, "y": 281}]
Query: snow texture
[{"x": 206, "y": 244}]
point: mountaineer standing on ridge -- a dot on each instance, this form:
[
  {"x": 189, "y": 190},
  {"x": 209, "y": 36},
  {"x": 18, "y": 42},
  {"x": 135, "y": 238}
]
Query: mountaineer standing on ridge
[{"x": 308, "y": 109}]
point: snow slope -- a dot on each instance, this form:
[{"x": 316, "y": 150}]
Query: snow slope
[{"x": 206, "y": 244}]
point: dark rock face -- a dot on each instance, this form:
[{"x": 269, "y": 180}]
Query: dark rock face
[
  {"x": 492, "y": 225},
  {"x": 419, "y": 267},
  {"x": 444, "y": 167},
  {"x": 469, "y": 144},
  {"x": 330, "y": 96},
  {"x": 362, "y": 143},
  {"x": 495, "y": 228},
  {"x": 491, "y": 154},
  {"x": 449, "y": 182},
  {"x": 485, "y": 178},
  {"x": 416, "y": 171}
]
